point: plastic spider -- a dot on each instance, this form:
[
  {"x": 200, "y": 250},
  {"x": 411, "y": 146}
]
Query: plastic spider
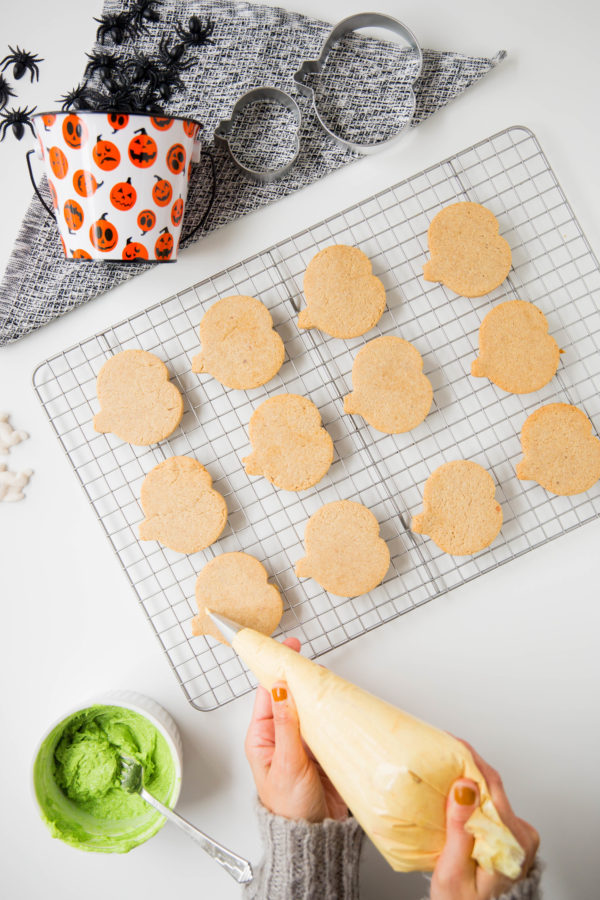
[
  {"x": 143, "y": 11},
  {"x": 167, "y": 82},
  {"x": 149, "y": 103},
  {"x": 18, "y": 118},
  {"x": 196, "y": 34},
  {"x": 124, "y": 99},
  {"x": 108, "y": 69},
  {"x": 22, "y": 62},
  {"x": 81, "y": 97},
  {"x": 142, "y": 68},
  {"x": 118, "y": 28},
  {"x": 172, "y": 57},
  {"x": 5, "y": 92}
]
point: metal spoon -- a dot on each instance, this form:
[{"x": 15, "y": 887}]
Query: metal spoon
[{"x": 132, "y": 781}]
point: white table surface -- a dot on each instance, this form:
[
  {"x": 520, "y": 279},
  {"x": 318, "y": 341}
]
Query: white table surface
[{"x": 509, "y": 661}]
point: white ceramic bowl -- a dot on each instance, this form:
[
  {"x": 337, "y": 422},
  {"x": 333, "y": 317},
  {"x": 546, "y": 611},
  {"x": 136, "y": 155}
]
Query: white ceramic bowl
[{"x": 83, "y": 830}]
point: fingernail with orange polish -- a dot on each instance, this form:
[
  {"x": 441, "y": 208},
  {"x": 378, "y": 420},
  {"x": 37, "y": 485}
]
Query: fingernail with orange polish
[
  {"x": 464, "y": 795},
  {"x": 279, "y": 694}
]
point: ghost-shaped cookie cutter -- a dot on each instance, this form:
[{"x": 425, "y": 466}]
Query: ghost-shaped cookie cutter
[
  {"x": 316, "y": 66},
  {"x": 225, "y": 127}
]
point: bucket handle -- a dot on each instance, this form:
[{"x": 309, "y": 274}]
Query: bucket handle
[
  {"x": 35, "y": 187},
  {"x": 184, "y": 237}
]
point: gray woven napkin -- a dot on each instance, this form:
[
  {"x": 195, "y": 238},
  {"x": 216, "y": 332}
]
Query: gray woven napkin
[{"x": 253, "y": 45}]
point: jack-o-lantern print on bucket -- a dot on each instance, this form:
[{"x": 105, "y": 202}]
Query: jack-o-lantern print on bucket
[{"x": 119, "y": 182}]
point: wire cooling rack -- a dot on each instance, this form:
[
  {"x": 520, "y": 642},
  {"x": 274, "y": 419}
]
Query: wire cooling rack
[{"x": 553, "y": 266}]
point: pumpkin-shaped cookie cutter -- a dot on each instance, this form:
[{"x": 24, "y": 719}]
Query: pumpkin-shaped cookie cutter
[
  {"x": 316, "y": 66},
  {"x": 225, "y": 127}
]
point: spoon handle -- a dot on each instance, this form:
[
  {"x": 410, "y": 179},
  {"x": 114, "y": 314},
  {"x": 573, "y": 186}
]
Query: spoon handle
[{"x": 237, "y": 867}]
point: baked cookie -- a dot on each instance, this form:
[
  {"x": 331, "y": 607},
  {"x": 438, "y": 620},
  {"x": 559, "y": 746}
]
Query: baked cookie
[
  {"x": 460, "y": 511},
  {"x": 138, "y": 402},
  {"x": 290, "y": 447},
  {"x": 344, "y": 553},
  {"x": 235, "y": 585},
  {"x": 239, "y": 346},
  {"x": 559, "y": 450},
  {"x": 390, "y": 391},
  {"x": 182, "y": 510},
  {"x": 467, "y": 253},
  {"x": 515, "y": 350},
  {"x": 344, "y": 298}
]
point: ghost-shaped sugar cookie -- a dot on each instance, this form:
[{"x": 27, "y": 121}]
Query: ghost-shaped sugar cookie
[
  {"x": 344, "y": 298},
  {"x": 236, "y": 586},
  {"x": 559, "y": 450},
  {"x": 289, "y": 445},
  {"x": 12, "y": 484},
  {"x": 9, "y": 436},
  {"x": 138, "y": 402},
  {"x": 344, "y": 552},
  {"x": 515, "y": 350},
  {"x": 389, "y": 389},
  {"x": 467, "y": 253},
  {"x": 182, "y": 509},
  {"x": 460, "y": 511},
  {"x": 240, "y": 348}
]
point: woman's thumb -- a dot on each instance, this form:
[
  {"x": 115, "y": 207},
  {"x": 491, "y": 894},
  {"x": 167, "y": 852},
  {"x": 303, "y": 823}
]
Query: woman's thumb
[
  {"x": 455, "y": 863},
  {"x": 289, "y": 751}
]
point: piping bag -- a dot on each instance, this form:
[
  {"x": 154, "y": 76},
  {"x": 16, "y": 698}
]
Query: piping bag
[{"x": 393, "y": 771}]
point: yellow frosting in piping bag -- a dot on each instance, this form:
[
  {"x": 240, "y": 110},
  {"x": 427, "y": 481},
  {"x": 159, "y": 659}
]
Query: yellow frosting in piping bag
[{"x": 392, "y": 770}]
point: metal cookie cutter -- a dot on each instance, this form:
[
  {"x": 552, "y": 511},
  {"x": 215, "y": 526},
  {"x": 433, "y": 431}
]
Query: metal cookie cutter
[
  {"x": 312, "y": 66},
  {"x": 225, "y": 127}
]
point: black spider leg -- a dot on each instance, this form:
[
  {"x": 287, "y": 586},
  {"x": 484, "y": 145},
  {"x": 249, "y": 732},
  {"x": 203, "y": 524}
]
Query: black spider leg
[
  {"x": 22, "y": 61},
  {"x": 18, "y": 119},
  {"x": 6, "y": 92}
]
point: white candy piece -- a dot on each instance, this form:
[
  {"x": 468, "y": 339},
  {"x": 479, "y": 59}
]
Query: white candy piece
[
  {"x": 8, "y": 435},
  {"x": 12, "y": 484}
]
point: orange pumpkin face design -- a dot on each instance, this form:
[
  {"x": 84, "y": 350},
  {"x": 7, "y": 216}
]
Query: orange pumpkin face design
[
  {"x": 85, "y": 184},
  {"x": 176, "y": 158},
  {"x": 161, "y": 123},
  {"x": 142, "y": 149},
  {"x": 81, "y": 254},
  {"x": 74, "y": 132},
  {"x": 58, "y": 162},
  {"x": 117, "y": 121},
  {"x": 162, "y": 191},
  {"x": 163, "y": 247},
  {"x": 106, "y": 155},
  {"x": 134, "y": 250},
  {"x": 53, "y": 194},
  {"x": 177, "y": 212},
  {"x": 73, "y": 214},
  {"x": 49, "y": 120},
  {"x": 190, "y": 127},
  {"x": 64, "y": 246},
  {"x": 146, "y": 220},
  {"x": 103, "y": 234},
  {"x": 123, "y": 195}
]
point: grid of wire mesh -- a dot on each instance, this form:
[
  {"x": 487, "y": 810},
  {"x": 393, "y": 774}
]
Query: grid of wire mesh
[{"x": 553, "y": 266}]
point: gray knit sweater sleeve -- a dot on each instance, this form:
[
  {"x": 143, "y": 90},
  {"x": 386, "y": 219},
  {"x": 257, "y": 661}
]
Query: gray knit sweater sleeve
[{"x": 305, "y": 861}]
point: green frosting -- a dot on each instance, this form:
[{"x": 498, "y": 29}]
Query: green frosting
[{"x": 77, "y": 779}]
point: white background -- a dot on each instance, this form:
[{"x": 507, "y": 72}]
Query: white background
[{"x": 510, "y": 661}]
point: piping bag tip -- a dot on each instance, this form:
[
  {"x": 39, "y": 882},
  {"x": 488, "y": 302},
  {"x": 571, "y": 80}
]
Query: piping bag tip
[{"x": 227, "y": 627}]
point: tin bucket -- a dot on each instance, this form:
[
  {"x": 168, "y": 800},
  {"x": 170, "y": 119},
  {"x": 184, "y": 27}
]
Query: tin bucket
[{"x": 118, "y": 181}]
